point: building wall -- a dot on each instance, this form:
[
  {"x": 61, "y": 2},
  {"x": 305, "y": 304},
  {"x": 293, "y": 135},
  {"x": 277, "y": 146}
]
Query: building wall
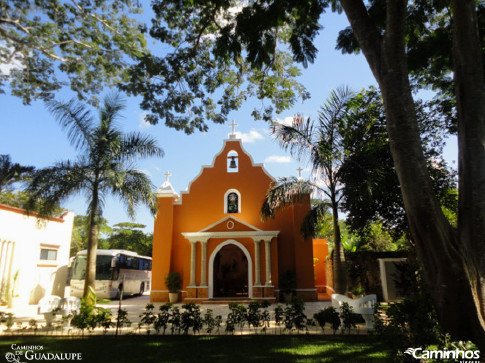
[
  {"x": 21, "y": 240},
  {"x": 203, "y": 205}
]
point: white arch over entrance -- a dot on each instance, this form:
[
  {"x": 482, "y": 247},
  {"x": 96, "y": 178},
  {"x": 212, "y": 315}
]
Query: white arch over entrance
[{"x": 211, "y": 266}]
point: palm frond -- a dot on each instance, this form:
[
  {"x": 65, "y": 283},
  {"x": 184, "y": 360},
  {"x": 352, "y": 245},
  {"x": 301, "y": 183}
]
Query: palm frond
[
  {"x": 312, "y": 220},
  {"x": 12, "y": 172},
  {"x": 136, "y": 144},
  {"x": 75, "y": 119},
  {"x": 133, "y": 187},
  {"x": 50, "y": 186},
  {"x": 298, "y": 138},
  {"x": 282, "y": 193},
  {"x": 113, "y": 103}
]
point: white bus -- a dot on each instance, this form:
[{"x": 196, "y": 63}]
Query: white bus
[{"x": 115, "y": 269}]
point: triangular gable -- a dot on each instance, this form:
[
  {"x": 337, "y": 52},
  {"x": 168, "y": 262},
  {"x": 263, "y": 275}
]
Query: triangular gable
[{"x": 229, "y": 224}]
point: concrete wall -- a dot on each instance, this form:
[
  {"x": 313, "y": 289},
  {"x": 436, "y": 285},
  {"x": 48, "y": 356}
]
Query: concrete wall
[{"x": 21, "y": 267}]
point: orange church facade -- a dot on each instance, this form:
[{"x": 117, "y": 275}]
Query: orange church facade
[{"x": 213, "y": 235}]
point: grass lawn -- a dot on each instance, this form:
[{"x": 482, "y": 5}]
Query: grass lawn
[{"x": 279, "y": 348}]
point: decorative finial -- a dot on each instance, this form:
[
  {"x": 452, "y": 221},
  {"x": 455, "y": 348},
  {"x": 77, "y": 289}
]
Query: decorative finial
[
  {"x": 168, "y": 175},
  {"x": 232, "y": 135},
  {"x": 299, "y": 173}
]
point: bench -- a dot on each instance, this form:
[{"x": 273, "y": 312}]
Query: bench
[
  {"x": 52, "y": 305},
  {"x": 363, "y": 306}
]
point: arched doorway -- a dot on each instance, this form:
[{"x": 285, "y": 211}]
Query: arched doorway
[{"x": 230, "y": 272}]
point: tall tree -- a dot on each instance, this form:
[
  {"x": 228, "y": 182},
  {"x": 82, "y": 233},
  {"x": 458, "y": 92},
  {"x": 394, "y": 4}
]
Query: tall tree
[
  {"x": 453, "y": 259},
  {"x": 80, "y": 233},
  {"x": 372, "y": 192},
  {"x": 320, "y": 142},
  {"x": 45, "y": 45},
  {"x": 129, "y": 236},
  {"x": 187, "y": 83},
  {"x": 11, "y": 173},
  {"x": 106, "y": 165},
  {"x": 458, "y": 256}
]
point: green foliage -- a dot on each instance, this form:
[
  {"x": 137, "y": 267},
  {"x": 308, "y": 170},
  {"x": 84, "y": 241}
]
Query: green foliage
[
  {"x": 122, "y": 318},
  {"x": 80, "y": 231},
  {"x": 162, "y": 319},
  {"x": 212, "y": 323},
  {"x": 191, "y": 318},
  {"x": 371, "y": 188},
  {"x": 173, "y": 281},
  {"x": 194, "y": 79},
  {"x": 105, "y": 166},
  {"x": 175, "y": 319},
  {"x": 86, "y": 45},
  {"x": 347, "y": 317},
  {"x": 328, "y": 315},
  {"x": 294, "y": 315},
  {"x": 20, "y": 199},
  {"x": 127, "y": 236},
  {"x": 11, "y": 173},
  {"x": 411, "y": 323},
  {"x": 236, "y": 317},
  {"x": 85, "y": 318},
  {"x": 148, "y": 317}
]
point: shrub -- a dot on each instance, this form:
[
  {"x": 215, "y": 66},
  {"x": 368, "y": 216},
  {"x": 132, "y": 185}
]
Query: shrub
[
  {"x": 190, "y": 318},
  {"x": 173, "y": 282},
  {"x": 328, "y": 315},
  {"x": 162, "y": 319},
  {"x": 148, "y": 317},
  {"x": 294, "y": 315}
]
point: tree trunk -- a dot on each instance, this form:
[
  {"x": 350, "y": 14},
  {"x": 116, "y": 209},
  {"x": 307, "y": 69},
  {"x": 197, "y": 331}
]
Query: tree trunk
[
  {"x": 437, "y": 244},
  {"x": 339, "y": 267},
  {"x": 90, "y": 278},
  {"x": 470, "y": 101}
]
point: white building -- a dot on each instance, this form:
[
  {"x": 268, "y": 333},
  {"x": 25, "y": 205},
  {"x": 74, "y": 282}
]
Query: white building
[{"x": 34, "y": 255}]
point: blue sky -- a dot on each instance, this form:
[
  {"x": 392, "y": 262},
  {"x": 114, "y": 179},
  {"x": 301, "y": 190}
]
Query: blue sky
[{"x": 32, "y": 137}]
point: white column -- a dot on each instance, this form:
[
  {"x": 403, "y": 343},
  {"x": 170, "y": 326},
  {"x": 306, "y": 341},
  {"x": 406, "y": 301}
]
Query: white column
[
  {"x": 257, "y": 262},
  {"x": 193, "y": 253},
  {"x": 267, "y": 252},
  {"x": 203, "y": 264}
]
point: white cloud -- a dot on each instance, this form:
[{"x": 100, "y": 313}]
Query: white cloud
[
  {"x": 14, "y": 62},
  {"x": 250, "y": 137},
  {"x": 288, "y": 121},
  {"x": 142, "y": 124},
  {"x": 278, "y": 159}
]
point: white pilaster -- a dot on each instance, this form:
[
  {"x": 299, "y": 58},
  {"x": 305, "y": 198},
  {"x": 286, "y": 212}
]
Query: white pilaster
[
  {"x": 203, "y": 264},
  {"x": 257, "y": 262},
  {"x": 267, "y": 252},
  {"x": 193, "y": 256}
]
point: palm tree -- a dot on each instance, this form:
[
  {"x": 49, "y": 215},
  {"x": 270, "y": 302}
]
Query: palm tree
[
  {"x": 104, "y": 166},
  {"x": 319, "y": 142},
  {"x": 11, "y": 173}
]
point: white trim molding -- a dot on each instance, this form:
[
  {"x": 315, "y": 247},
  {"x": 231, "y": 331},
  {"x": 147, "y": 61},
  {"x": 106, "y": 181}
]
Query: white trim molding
[
  {"x": 220, "y": 221},
  {"x": 261, "y": 235},
  {"x": 211, "y": 266}
]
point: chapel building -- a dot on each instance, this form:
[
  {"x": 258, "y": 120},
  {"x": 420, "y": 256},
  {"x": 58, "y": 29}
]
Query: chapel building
[{"x": 214, "y": 237}]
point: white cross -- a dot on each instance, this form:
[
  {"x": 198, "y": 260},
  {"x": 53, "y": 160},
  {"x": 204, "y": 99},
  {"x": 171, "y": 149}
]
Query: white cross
[
  {"x": 168, "y": 175},
  {"x": 233, "y": 125},
  {"x": 299, "y": 172}
]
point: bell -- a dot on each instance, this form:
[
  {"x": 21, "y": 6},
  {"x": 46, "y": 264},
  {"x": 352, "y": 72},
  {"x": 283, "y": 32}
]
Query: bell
[{"x": 232, "y": 164}]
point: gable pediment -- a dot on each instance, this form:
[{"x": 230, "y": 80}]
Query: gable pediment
[{"x": 230, "y": 224}]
